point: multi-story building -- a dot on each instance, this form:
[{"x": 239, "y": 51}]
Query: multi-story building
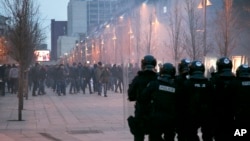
[
  {"x": 99, "y": 11},
  {"x": 58, "y": 28},
  {"x": 65, "y": 45},
  {"x": 77, "y": 17},
  {"x": 83, "y": 17}
]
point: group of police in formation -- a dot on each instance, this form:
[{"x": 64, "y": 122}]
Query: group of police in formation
[{"x": 170, "y": 106}]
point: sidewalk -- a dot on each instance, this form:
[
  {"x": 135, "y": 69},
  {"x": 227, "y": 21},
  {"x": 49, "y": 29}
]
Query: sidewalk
[{"x": 75, "y": 117}]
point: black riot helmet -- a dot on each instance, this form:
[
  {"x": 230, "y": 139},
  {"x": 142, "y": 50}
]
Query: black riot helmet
[
  {"x": 196, "y": 67},
  {"x": 148, "y": 63},
  {"x": 243, "y": 71},
  {"x": 224, "y": 64},
  {"x": 167, "y": 69},
  {"x": 183, "y": 66}
]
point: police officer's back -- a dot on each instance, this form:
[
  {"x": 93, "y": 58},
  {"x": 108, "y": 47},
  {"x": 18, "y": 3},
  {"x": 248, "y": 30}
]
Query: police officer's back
[
  {"x": 143, "y": 77},
  {"x": 183, "y": 69},
  {"x": 161, "y": 93},
  {"x": 198, "y": 92},
  {"x": 137, "y": 85},
  {"x": 242, "y": 98},
  {"x": 224, "y": 90}
]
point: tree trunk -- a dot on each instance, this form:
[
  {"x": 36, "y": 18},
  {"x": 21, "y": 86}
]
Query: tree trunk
[
  {"x": 25, "y": 88},
  {"x": 20, "y": 92}
]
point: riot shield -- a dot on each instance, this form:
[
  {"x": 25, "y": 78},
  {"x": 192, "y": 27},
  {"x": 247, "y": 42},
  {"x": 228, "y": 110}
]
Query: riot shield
[{"x": 128, "y": 107}]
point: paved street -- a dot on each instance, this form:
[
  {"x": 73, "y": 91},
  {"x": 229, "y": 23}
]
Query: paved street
[{"x": 75, "y": 117}]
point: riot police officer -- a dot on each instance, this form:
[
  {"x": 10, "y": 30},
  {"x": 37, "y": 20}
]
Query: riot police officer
[
  {"x": 161, "y": 93},
  {"x": 137, "y": 123},
  {"x": 242, "y": 104},
  {"x": 183, "y": 69},
  {"x": 198, "y": 92},
  {"x": 222, "y": 81}
]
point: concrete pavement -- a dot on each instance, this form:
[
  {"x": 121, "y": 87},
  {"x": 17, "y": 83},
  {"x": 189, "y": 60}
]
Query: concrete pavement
[{"x": 76, "y": 117}]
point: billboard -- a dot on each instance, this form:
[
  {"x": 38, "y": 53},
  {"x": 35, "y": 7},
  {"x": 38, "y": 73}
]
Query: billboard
[{"x": 42, "y": 55}]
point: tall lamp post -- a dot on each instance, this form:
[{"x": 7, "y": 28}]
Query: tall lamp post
[
  {"x": 114, "y": 38},
  {"x": 204, "y": 4},
  {"x": 93, "y": 52},
  {"x": 130, "y": 36},
  {"x": 81, "y": 48},
  {"x": 77, "y": 52},
  {"x": 102, "y": 49},
  {"x": 86, "y": 51}
]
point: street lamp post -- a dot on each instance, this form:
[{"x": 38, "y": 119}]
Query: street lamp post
[
  {"x": 130, "y": 36},
  {"x": 86, "y": 51},
  {"x": 114, "y": 38},
  {"x": 77, "y": 52},
  {"x": 102, "y": 49},
  {"x": 93, "y": 52},
  {"x": 205, "y": 28},
  {"x": 204, "y": 5},
  {"x": 81, "y": 47}
]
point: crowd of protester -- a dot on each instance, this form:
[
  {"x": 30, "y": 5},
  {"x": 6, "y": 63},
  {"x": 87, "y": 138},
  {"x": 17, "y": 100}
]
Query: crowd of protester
[{"x": 75, "y": 78}]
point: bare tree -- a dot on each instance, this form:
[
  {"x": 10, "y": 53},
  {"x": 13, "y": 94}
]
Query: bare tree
[
  {"x": 147, "y": 23},
  {"x": 192, "y": 39},
  {"x": 24, "y": 34},
  {"x": 227, "y": 29},
  {"x": 148, "y": 34},
  {"x": 137, "y": 30},
  {"x": 244, "y": 20},
  {"x": 244, "y": 12},
  {"x": 175, "y": 34}
]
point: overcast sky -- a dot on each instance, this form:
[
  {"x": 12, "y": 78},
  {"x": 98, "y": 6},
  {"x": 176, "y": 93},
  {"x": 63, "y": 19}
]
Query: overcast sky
[{"x": 52, "y": 9}]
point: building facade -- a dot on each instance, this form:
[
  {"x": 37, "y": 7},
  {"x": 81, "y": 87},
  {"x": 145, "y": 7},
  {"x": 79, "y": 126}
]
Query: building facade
[
  {"x": 99, "y": 12},
  {"x": 77, "y": 17},
  {"x": 83, "y": 17},
  {"x": 65, "y": 45},
  {"x": 58, "y": 28}
]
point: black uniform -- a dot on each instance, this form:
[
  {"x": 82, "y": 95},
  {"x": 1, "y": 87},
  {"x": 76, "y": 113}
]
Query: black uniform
[
  {"x": 224, "y": 89},
  {"x": 139, "y": 122},
  {"x": 242, "y": 98},
  {"x": 136, "y": 87},
  {"x": 162, "y": 94},
  {"x": 198, "y": 105},
  {"x": 183, "y": 68}
]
